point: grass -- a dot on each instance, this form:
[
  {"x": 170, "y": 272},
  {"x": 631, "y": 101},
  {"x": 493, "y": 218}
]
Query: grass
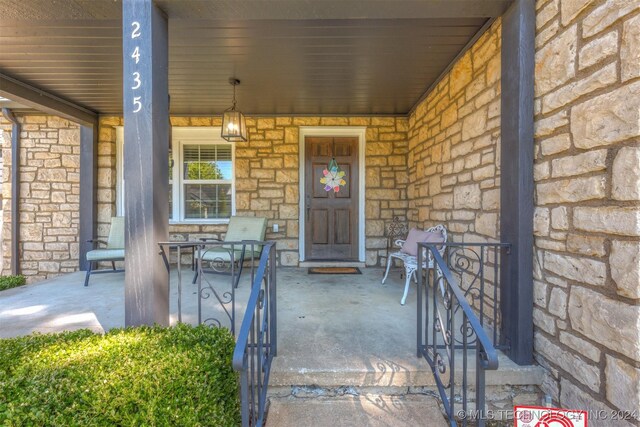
[
  {"x": 8, "y": 282},
  {"x": 151, "y": 376}
]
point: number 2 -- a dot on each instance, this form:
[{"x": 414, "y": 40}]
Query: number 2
[
  {"x": 136, "y": 29},
  {"x": 136, "y": 54},
  {"x": 136, "y": 80},
  {"x": 137, "y": 104}
]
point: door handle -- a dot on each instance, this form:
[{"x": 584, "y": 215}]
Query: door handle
[{"x": 308, "y": 205}]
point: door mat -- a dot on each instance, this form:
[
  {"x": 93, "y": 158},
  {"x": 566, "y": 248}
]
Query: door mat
[{"x": 334, "y": 270}]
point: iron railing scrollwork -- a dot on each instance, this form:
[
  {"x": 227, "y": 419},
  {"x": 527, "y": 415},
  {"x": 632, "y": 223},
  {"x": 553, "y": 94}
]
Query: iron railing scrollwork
[
  {"x": 451, "y": 323},
  {"x": 257, "y": 337},
  {"x": 211, "y": 261},
  {"x": 256, "y": 344},
  {"x": 477, "y": 268}
]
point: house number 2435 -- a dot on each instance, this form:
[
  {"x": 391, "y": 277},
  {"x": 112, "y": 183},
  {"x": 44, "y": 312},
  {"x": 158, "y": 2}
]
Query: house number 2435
[{"x": 137, "y": 81}]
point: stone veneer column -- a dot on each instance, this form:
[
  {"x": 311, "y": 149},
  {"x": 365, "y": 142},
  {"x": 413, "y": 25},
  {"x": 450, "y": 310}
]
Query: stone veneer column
[{"x": 587, "y": 220}]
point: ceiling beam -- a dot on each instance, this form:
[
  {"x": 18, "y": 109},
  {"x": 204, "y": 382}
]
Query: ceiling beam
[
  {"x": 38, "y": 99},
  {"x": 332, "y": 9}
]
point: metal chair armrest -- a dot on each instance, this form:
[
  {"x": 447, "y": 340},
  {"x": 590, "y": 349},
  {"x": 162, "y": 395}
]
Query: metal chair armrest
[
  {"x": 210, "y": 239},
  {"x": 399, "y": 243},
  {"x": 97, "y": 242}
]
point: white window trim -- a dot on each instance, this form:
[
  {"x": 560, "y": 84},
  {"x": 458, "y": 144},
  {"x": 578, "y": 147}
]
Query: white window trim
[{"x": 180, "y": 137}]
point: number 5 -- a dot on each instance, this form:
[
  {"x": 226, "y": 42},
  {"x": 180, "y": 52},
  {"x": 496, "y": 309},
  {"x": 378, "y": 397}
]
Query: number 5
[{"x": 137, "y": 104}]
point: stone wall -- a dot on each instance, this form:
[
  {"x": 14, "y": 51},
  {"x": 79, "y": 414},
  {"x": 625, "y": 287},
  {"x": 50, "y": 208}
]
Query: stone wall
[
  {"x": 267, "y": 181},
  {"x": 454, "y": 147},
  {"x": 587, "y": 219},
  {"x": 49, "y": 196}
]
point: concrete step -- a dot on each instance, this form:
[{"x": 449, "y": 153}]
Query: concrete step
[
  {"x": 404, "y": 372},
  {"x": 363, "y": 410}
]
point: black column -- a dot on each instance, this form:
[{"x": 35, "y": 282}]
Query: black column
[
  {"x": 146, "y": 149},
  {"x": 88, "y": 189},
  {"x": 516, "y": 171}
]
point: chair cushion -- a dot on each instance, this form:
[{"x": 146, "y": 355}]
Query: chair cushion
[
  {"x": 116, "y": 233},
  {"x": 411, "y": 244},
  {"x": 222, "y": 254},
  {"x": 105, "y": 255},
  {"x": 245, "y": 228}
]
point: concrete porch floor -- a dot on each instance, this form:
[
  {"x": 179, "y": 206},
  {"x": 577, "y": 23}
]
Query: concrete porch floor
[
  {"x": 349, "y": 326},
  {"x": 333, "y": 330},
  {"x": 330, "y": 313}
]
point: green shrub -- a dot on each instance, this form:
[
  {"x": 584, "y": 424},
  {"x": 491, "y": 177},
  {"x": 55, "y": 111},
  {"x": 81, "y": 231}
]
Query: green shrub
[
  {"x": 150, "y": 376},
  {"x": 8, "y": 282}
]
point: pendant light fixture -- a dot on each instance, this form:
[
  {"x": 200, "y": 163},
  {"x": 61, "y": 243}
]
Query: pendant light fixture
[{"x": 234, "y": 126}]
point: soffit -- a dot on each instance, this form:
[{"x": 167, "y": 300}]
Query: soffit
[{"x": 292, "y": 56}]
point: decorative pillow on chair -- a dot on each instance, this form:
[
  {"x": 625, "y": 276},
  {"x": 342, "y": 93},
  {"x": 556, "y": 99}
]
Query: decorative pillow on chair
[
  {"x": 411, "y": 244},
  {"x": 434, "y": 237}
]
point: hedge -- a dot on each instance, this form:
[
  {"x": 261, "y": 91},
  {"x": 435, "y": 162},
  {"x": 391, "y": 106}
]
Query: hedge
[
  {"x": 152, "y": 376},
  {"x": 8, "y": 282}
]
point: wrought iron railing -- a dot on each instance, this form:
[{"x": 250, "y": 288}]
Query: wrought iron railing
[
  {"x": 256, "y": 339},
  {"x": 212, "y": 261},
  {"x": 451, "y": 324},
  {"x": 476, "y": 266}
]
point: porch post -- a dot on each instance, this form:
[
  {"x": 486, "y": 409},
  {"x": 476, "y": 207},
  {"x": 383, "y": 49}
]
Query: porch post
[
  {"x": 146, "y": 168},
  {"x": 88, "y": 189},
  {"x": 516, "y": 170}
]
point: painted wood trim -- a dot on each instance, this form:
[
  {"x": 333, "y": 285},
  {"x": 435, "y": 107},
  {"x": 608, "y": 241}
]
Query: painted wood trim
[
  {"x": 15, "y": 189},
  {"x": 146, "y": 161},
  {"x": 88, "y": 191},
  {"x": 43, "y": 101},
  {"x": 517, "y": 186}
]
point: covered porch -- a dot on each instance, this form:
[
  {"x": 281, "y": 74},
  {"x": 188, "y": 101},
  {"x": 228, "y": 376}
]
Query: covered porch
[{"x": 438, "y": 133}]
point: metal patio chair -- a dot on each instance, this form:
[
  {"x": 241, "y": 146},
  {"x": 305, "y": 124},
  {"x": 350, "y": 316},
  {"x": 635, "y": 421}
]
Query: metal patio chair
[
  {"x": 241, "y": 228},
  {"x": 112, "y": 251},
  {"x": 411, "y": 261}
]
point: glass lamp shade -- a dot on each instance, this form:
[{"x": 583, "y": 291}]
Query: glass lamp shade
[{"x": 234, "y": 126}]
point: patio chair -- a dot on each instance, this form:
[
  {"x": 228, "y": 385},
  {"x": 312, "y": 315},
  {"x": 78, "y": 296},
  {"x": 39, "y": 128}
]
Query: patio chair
[
  {"x": 408, "y": 254},
  {"x": 241, "y": 228},
  {"x": 113, "y": 249}
]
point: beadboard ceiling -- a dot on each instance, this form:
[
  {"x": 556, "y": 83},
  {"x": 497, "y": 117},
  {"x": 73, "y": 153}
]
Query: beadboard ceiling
[{"x": 292, "y": 56}]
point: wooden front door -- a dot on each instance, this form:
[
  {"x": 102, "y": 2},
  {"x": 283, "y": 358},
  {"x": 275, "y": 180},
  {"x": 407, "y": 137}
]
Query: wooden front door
[{"x": 331, "y": 218}]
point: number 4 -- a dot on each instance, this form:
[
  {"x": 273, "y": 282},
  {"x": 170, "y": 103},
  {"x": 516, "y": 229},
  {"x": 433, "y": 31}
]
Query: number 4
[{"x": 136, "y": 54}]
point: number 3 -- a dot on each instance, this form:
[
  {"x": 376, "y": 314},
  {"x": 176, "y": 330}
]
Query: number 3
[
  {"x": 137, "y": 104},
  {"x": 136, "y": 80},
  {"x": 136, "y": 29}
]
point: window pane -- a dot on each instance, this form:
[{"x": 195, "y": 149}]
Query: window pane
[
  {"x": 223, "y": 161},
  {"x": 207, "y": 201},
  {"x": 207, "y": 162}
]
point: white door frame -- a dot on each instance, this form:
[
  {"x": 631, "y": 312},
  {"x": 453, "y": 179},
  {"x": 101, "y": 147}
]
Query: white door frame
[{"x": 336, "y": 131}]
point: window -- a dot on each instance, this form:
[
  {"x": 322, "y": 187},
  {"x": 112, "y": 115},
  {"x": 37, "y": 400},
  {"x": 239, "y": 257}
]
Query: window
[
  {"x": 201, "y": 176},
  {"x": 206, "y": 180}
]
